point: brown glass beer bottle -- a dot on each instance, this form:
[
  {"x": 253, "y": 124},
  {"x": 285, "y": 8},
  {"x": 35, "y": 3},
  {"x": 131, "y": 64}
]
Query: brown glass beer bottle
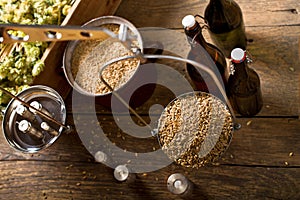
[
  {"x": 210, "y": 56},
  {"x": 226, "y": 25},
  {"x": 244, "y": 89}
]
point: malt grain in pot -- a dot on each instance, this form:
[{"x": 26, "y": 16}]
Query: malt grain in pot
[
  {"x": 195, "y": 129},
  {"x": 128, "y": 78}
]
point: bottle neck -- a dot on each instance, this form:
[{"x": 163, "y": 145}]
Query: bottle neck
[
  {"x": 194, "y": 35},
  {"x": 223, "y": 15},
  {"x": 241, "y": 69},
  {"x": 216, "y": 2}
]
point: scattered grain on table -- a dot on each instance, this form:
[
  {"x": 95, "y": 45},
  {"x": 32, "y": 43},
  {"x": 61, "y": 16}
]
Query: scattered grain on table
[
  {"x": 78, "y": 184},
  {"x": 249, "y": 123},
  {"x": 292, "y": 69}
]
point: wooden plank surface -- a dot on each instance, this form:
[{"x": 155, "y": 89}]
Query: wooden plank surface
[
  {"x": 81, "y": 180},
  {"x": 169, "y": 13},
  {"x": 257, "y": 143}
]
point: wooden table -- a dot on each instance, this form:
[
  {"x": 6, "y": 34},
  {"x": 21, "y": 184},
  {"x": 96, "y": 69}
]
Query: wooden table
[{"x": 262, "y": 161}]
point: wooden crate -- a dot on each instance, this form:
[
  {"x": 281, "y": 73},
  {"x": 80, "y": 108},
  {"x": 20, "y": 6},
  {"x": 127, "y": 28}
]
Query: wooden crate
[{"x": 81, "y": 12}]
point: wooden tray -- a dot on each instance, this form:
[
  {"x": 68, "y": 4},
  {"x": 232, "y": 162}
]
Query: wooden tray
[{"x": 81, "y": 12}]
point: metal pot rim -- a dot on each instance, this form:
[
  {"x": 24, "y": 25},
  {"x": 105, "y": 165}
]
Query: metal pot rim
[
  {"x": 72, "y": 45},
  {"x": 10, "y": 116},
  {"x": 191, "y": 94}
]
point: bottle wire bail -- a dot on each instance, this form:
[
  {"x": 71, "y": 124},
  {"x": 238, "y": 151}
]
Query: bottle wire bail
[{"x": 204, "y": 21}]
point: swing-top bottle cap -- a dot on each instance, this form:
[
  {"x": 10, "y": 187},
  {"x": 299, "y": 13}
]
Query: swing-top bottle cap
[
  {"x": 20, "y": 109},
  {"x": 45, "y": 126},
  {"x": 238, "y": 55},
  {"x": 100, "y": 156},
  {"x": 177, "y": 183},
  {"x": 188, "y": 21},
  {"x": 24, "y": 126},
  {"x": 36, "y": 105},
  {"x": 121, "y": 173}
]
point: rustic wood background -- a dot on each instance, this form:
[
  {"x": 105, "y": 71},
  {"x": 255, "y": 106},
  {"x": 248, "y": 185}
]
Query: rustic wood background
[{"x": 262, "y": 162}]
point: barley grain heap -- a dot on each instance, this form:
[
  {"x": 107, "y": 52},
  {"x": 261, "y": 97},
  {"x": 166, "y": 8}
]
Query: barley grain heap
[
  {"x": 195, "y": 130},
  {"x": 90, "y": 55}
]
